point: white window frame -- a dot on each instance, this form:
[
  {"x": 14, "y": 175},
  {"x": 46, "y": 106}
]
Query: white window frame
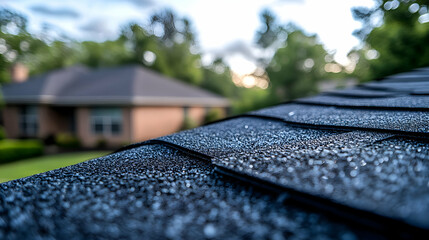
[
  {"x": 29, "y": 121},
  {"x": 107, "y": 120}
]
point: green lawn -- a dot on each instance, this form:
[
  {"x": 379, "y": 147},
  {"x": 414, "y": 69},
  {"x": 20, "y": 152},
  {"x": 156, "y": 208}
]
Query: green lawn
[{"x": 31, "y": 166}]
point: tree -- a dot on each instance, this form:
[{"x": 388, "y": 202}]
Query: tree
[
  {"x": 13, "y": 31},
  {"x": 104, "y": 54},
  {"x": 18, "y": 45},
  {"x": 217, "y": 79},
  {"x": 270, "y": 31},
  {"x": 177, "y": 43},
  {"x": 297, "y": 66},
  {"x": 167, "y": 46},
  {"x": 396, "y": 45},
  {"x": 141, "y": 42}
]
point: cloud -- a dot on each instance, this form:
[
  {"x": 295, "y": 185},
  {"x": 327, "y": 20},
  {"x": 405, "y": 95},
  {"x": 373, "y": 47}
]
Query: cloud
[
  {"x": 137, "y": 3},
  {"x": 291, "y": 1},
  {"x": 142, "y": 2},
  {"x": 59, "y": 12},
  {"x": 98, "y": 28}
]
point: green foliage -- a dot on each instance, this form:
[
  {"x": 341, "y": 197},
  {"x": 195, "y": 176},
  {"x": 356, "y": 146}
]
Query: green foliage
[
  {"x": 400, "y": 41},
  {"x": 251, "y": 99},
  {"x": 67, "y": 140},
  {"x": 188, "y": 123},
  {"x": 2, "y": 133},
  {"x": 36, "y": 53},
  {"x": 217, "y": 79},
  {"x": 105, "y": 54},
  {"x": 296, "y": 68},
  {"x": 270, "y": 32},
  {"x": 172, "y": 48},
  {"x": 12, "y": 150},
  {"x": 168, "y": 45},
  {"x": 101, "y": 143},
  {"x": 214, "y": 114}
]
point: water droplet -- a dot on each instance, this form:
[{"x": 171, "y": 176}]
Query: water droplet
[
  {"x": 210, "y": 230},
  {"x": 329, "y": 188},
  {"x": 291, "y": 113}
]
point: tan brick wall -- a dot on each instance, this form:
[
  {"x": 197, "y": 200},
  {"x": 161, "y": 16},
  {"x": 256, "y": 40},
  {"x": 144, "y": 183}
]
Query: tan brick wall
[
  {"x": 90, "y": 139},
  {"x": 153, "y": 122},
  {"x": 11, "y": 121}
]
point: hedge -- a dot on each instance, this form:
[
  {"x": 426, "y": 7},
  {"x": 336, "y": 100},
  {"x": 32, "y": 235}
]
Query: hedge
[
  {"x": 11, "y": 150},
  {"x": 66, "y": 140},
  {"x": 2, "y": 133}
]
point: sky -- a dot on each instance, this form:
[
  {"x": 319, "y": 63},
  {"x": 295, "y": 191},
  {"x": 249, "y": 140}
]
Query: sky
[{"x": 225, "y": 27}]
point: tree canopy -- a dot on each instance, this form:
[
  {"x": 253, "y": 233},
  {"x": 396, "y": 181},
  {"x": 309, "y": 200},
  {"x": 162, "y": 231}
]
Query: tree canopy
[
  {"x": 297, "y": 66},
  {"x": 395, "y": 35},
  {"x": 168, "y": 45}
]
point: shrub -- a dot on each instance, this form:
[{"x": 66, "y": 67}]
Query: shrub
[
  {"x": 214, "y": 114},
  {"x": 67, "y": 140},
  {"x": 11, "y": 150},
  {"x": 2, "y": 133},
  {"x": 188, "y": 123},
  {"x": 101, "y": 143},
  {"x": 49, "y": 140}
]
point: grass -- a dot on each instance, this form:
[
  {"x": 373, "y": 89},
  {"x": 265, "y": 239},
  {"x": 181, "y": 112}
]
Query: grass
[{"x": 31, "y": 166}]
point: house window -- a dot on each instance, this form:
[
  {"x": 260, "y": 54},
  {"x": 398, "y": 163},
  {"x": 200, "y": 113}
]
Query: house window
[
  {"x": 106, "y": 121},
  {"x": 28, "y": 121}
]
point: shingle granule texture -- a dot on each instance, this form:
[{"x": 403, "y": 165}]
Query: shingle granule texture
[
  {"x": 399, "y": 86},
  {"x": 242, "y": 134},
  {"x": 151, "y": 192},
  {"x": 347, "y": 164},
  {"x": 403, "y": 102},
  {"x": 404, "y": 121},
  {"x": 389, "y": 177},
  {"x": 361, "y": 93}
]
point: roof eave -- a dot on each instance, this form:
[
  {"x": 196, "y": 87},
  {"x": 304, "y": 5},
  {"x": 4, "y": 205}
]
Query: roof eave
[{"x": 121, "y": 101}]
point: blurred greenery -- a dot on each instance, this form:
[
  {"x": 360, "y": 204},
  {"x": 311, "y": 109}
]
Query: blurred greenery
[
  {"x": 188, "y": 123},
  {"x": 67, "y": 140},
  {"x": 2, "y": 133},
  {"x": 395, "y": 37},
  {"x": 27, "y": 167},
  {"x": 168, "y": 45},
  {"x": 12, "y": 150},
  {"x": 297, "y": 66},
  {"x": 214, "y": 114},
  {"x": 291, "y": 64}
]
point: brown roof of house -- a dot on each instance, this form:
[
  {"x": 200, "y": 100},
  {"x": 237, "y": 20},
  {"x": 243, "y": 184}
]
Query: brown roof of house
[{"x": 124, "y": 85}]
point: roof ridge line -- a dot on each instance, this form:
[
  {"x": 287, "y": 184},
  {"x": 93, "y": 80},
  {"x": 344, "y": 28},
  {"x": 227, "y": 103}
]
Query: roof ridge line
[
  {"x": 187, "y": 151},
  {"x": 322, "y": 126},
  {"x": 332, "y": 127},
  {"x": 385, "y": 108}
]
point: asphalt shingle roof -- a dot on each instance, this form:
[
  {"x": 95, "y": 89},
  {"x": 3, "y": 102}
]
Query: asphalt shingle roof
[
  {"x": 333, "y": 166},
  {"x": 124, "y": 85},
  {"x": 395, "y": 102}
]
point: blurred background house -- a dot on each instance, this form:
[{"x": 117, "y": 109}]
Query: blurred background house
[{"x": 113, "y": 105}]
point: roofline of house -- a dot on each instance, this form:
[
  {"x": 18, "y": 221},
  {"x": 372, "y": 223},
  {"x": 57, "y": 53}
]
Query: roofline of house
[{"x": 109, "y": 100}]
